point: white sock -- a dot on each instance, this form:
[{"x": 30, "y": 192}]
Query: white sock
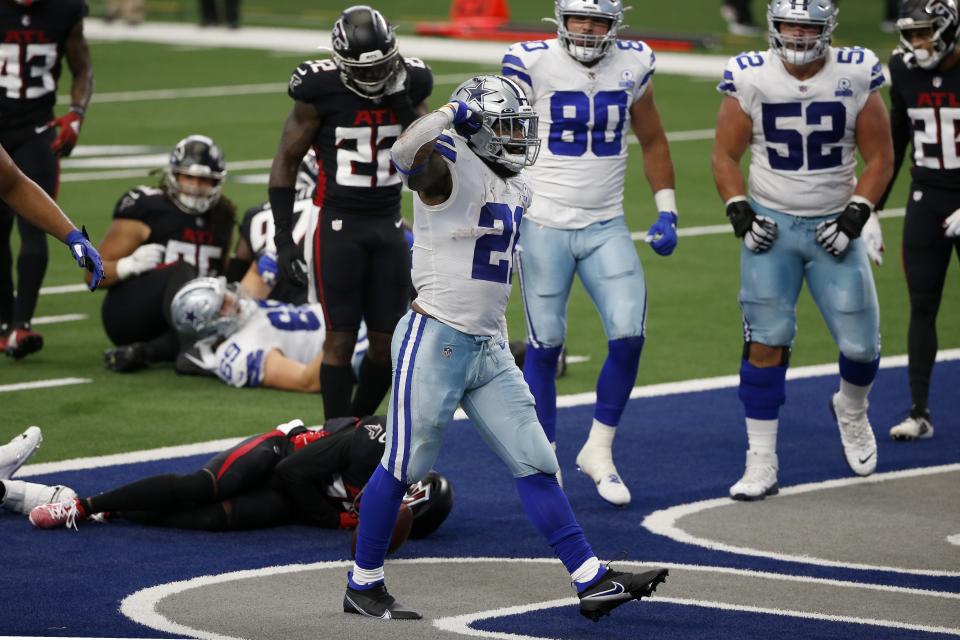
[
  {"x": 587, "y": 571},
  {"x": 854, "y": 396},
  {"x": 601, "y": 436},
  {"x": 762, "y": 435},
  {"x": 366, "y": 576}
]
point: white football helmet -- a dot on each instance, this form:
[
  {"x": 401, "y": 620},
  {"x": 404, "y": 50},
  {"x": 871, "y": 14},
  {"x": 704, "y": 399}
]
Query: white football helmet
[
  {"x": 209, "y": 306},
  {"x": 508, "y": 135},
  {"x": 819, "y": 13},
  {"x": 584, "y": 47}
]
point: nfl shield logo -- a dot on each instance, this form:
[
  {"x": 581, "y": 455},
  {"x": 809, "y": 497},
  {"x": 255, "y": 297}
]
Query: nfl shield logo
[
  {"x": 337, "y": 224},
  {"x": 447, "y": 352}
]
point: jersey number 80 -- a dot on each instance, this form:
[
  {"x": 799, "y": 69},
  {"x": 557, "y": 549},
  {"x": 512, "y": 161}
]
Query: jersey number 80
[{"x": 571, "y": 133}]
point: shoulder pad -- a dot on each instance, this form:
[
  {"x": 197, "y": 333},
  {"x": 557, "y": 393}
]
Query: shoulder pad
[
  {"x": 863, "y": 63},
  {"x": 312, "y": 79},
  {"x": 136, "y": 202},
  {"x": 520, "y": 58},
  {"x": 420, "y": 79}
]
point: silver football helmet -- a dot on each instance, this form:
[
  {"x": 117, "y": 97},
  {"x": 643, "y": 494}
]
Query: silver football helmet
[
  {"x": 508, "y": 135},
  {"x": 819, "y": 13},
  {"x": 940, "y": 19},
  {"x": 209, "y": 306},
  {"x": 587, "y": 47},
  {"x": 197, "y": 156}
]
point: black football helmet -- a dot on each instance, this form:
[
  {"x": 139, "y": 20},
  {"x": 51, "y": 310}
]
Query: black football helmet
[
  {"x": 431, "y": 500},
  {"x": 198, "y": 156},
  {"x": 366, "y": 51},
  {"x": 941, "y": 18}
]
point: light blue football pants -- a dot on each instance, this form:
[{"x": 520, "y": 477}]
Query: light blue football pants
[{"x": 842, "y": 287}]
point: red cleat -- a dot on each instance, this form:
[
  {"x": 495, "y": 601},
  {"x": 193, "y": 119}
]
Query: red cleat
[
  {"x": 23, "y": 341},
  {"x": 57, "y": 514}
]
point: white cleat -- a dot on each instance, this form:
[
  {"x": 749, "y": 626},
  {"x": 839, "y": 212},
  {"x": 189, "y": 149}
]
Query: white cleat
[
  {"x": 856, "y": 434},
  {"x": 23, "y": 497},
  {"x": 759, "y": 478},
  {"x": 598, "y": 464},
  {"x": 913, "y": 428},
  {"x": 15, "y": 453}
]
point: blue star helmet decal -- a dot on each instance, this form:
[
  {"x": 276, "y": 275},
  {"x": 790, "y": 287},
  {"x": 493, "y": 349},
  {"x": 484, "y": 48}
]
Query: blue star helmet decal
[{"x": 476, "y": 91}]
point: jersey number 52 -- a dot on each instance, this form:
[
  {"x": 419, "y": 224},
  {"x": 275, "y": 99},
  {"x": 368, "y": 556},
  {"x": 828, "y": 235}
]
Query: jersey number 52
[{"x": 818, "y": 156}]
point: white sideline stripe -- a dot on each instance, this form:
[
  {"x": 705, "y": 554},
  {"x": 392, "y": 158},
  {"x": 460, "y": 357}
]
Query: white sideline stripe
[
  {"x": 62, "y": 288},
  {"x": 664, "y": 521},
  {"x": 572, "y": 400},
  {"x": 150, "y": 161},
  {"x": 222, "y": 91},
  {"x": 141, "y": 606},
  {"x": 42, "y": 384},
  {"x": 87, "y": 150},
  {"x": 67, "y": 317},
  {"x": 306, "y": 41}
]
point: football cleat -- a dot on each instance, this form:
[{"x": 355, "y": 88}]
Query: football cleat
[
  {"x": 856, "y": 434},
  {"x": 24, "y": 497},
  {"x": 917, "y": 426},
  {"x": 23, "y": 341},
  {"x": 597, "y": 462},
  {"x": 759, "y": 478},
  {"x": 15, "y": 453},
  {"x": 616, "y": 588},
  {"x": 127, "y": 358},
  {"x": 376, "y": 603},
  {"x": 57, "y": 514}
]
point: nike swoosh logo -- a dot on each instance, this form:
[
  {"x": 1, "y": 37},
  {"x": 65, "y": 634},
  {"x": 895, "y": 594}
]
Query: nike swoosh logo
[
  {"x": 41, "y": 128},
  {"x": 615, "y": 590},
  {"x": 398, "y": 224},
  {"x": 197, "y": 361},
  {"x": 864, "y": 460}
]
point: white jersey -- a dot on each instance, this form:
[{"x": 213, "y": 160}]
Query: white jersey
[
  {"x": 803, "y": 147},
  {"x": 584, "y": 125},
  {"x": 296, "y": 331},
  {"x": 463, "y": 248}
]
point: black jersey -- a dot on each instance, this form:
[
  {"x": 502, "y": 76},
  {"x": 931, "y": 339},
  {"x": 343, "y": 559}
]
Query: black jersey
[
  {"x": 925, "y": 109},
  {"x": 257, "y": 229},
  {"x": 354, "y": 139},
  {"x": 30, "y": 58},
  {"x": 200, "y": 240}
]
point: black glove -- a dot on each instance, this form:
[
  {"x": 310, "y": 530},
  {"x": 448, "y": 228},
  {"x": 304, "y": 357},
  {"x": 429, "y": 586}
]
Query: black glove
[
  {"x": 758, "y": 232},
  {"x": 289, "y": 257}
]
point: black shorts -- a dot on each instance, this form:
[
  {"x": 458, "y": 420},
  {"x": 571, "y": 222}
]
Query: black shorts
[
  {"x": 926, "y": 250},
  {"x": 361, "y": 269},
  {"x": 138, "y": 309},
  {"x": 31, "y": 152}
]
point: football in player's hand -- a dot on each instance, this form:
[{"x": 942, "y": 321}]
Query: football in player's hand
[{"x": 401, "y": 531}]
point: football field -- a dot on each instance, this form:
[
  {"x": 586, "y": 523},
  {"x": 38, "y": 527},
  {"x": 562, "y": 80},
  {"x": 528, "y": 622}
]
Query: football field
[{"x": 686, "y": 445}]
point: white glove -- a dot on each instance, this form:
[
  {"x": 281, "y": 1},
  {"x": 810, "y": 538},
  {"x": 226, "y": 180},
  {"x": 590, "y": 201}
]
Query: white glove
[
  {"x": 872, "y": 238},
  {"x": 952, "y": 225},
  {"x": 762, "y": 233},
  {"x": 146, "y": 257}
]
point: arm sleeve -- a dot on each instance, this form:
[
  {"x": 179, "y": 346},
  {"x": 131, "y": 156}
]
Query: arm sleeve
[{"x": 421, "y": 132}]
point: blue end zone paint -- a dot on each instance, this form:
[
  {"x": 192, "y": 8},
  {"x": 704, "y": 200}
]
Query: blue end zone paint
[{"x": 670, "y": 450}]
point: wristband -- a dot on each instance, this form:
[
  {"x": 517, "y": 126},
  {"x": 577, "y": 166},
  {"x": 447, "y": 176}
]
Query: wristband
[{"x": 666, "y": 200}]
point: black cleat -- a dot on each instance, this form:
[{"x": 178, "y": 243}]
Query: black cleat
[
  {"x": 617, "y": 587},
  {"x": 23, "y": 341},
  {"x": 376, "y": 603},
  {"x": 127, "y": 358}
]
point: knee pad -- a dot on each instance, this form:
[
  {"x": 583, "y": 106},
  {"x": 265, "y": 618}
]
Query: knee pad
[{"x": 762, "y": 390}]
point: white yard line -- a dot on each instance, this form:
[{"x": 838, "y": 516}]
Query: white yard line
[
  {"x": 67, "y": 317},
  {"x": 42, "y": 384},
  {"x": 63, "y": 288}
]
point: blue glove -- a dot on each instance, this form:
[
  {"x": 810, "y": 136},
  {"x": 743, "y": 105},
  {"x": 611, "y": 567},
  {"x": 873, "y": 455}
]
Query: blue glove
[
  {"x": 662, "y": 236},
  {"x": 86, "y": 255},
  {"x": 267, "y": 266},
  {"x": 466, "y": 121}
]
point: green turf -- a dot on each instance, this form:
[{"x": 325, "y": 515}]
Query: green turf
[{"x": 693, "y": 328}]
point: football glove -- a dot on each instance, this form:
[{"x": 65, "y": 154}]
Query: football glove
[
  {"x": 86, "y": 255},
  {"x": 145, "y": 258},
  {"x": 466, "y": 121},
  {"x": 952, "y": 225},
  {"x": 873, "y": 239},
  {"x": 290, "y": 260},
  {"x": 662, "y": 236},
  {"x": 267, "y": 266},
  {"x": 835, "y": 235},
  {"x": 758, "y": 232},
  {"x": 68, "y": 126}
]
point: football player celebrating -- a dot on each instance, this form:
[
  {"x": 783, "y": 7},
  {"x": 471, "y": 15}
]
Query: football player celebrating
[
  {"x": 351, "y": 109},
  {"x": 289, "y": 474},
  {"x": 589, "y": 89},
  {"x": 463, "y": 162},
  {"x": 804, "y": 108},
  {"x": 924, "y": 96},
  {"x": 38, "y": 35},
  {"x": 262, "y": 343},
  {"x": 160, "y": 238}
]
